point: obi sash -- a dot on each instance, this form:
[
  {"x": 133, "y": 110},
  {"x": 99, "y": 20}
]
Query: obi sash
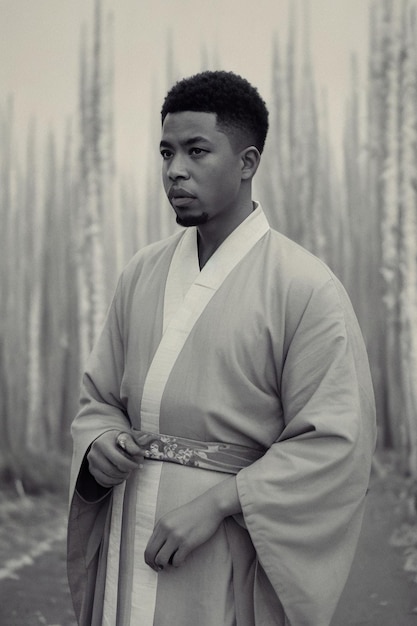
[{"x": 221, "y": 457}]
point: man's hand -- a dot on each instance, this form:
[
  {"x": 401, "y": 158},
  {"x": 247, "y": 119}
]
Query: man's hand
[
  {"x": 112, "y": 457},
  {"x": 181, "y": 531}
]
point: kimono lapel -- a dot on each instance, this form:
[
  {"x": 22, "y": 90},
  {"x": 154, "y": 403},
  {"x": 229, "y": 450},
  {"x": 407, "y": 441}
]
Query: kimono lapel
[
  {"x": 187, "y": 293},
  {"x": 183, "y": 271}
]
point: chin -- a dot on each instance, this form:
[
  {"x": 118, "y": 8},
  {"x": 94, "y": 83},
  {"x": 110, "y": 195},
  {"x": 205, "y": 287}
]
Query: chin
[{"x": 192, "y": 220}]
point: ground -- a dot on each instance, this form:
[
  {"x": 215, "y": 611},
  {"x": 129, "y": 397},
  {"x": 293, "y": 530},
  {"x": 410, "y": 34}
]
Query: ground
[
  {"x": 33, "y": 582},
  {"x": 382, "y": 586},
  {"x": 381, "y": 590}
]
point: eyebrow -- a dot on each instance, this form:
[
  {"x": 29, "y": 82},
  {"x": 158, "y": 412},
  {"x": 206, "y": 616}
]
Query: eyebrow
[{"x": 188, "y": 142}]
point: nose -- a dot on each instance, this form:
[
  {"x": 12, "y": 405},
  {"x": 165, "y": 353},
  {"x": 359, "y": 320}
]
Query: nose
[{"x": 177, "y": 168}]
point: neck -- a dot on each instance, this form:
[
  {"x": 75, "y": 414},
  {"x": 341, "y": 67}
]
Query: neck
[{"x": 211, "y": 236}]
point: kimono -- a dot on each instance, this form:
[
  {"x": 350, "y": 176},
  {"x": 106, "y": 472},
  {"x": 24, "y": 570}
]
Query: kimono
[{"x": 253, "y": 366}]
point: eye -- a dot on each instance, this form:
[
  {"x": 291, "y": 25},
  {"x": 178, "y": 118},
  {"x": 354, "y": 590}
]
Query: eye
[
  {"x": 166, "y": 154},
  {"x": 197, "y": 151}
]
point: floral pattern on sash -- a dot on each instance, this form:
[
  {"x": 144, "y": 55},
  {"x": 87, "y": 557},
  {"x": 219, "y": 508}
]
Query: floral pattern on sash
[{"x": 222, "y": 457}]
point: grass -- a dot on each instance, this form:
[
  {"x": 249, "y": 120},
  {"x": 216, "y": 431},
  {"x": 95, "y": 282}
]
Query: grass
[{"x": 33, "y": 473}]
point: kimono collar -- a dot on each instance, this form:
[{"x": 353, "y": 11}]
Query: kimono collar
[
  {"x": 188, "y": 291},
  {"x": 185, "y": 270}
]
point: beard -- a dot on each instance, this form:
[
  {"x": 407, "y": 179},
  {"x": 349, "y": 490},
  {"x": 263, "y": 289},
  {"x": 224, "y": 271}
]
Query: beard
[{"x": 192, "y": 220}]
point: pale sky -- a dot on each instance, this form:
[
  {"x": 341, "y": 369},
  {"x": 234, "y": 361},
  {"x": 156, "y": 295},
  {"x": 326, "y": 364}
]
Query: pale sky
[{"x": 39, "y": 48}]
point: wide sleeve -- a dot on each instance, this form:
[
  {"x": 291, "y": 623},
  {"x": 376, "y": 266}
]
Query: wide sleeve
[
  {"x": 101, "y": 407},
  {"x": 303, "y": 501}
]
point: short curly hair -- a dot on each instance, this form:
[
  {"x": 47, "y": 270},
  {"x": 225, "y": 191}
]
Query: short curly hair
[{"x": 240, "y": 110}]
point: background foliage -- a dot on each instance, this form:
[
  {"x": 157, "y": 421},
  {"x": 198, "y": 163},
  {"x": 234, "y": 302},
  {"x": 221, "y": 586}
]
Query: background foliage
[{"x": 70, "y": 223}]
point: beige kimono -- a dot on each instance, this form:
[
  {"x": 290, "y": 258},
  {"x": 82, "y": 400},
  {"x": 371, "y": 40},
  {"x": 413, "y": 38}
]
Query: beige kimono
[{"x": 255, "y": 366}]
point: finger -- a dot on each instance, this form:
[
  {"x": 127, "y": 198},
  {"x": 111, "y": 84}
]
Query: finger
[
  {"x": 152, "y": 552},
  {"x": 111, "y": 461},
  {"x": 126, "y": 442},
  {"x": 172, "y": 561},
  {"x": 179, "y": 556},
  {"x": 164, "y": 557},
  {"x": 106, "y": 472},
  {"x": 107, "y": 481},
  {"x": 126, "y": 463},
  {"x": 118, "y": 468},
  {"x": 142, "y": 439}
]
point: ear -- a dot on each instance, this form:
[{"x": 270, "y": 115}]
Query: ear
[{"x": 250, "y": 158}]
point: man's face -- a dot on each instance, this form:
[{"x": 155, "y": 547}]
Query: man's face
[{"x": 201, "y": 171}]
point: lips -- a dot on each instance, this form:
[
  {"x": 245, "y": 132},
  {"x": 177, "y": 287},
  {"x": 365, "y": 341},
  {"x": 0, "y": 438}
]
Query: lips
[
  {"x": 178, "y": 192},
  {"x": 182, "y": 202},
  {"x": 180, "y": 197}
]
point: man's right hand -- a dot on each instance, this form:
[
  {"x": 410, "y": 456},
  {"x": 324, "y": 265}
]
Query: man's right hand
[{"x": 111, "y": 464}]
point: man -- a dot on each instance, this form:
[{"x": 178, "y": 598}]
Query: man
[{"x": 223, "y": 446}]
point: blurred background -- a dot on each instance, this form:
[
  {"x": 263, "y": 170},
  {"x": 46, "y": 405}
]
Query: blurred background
[{"x": 81, "y": 88}]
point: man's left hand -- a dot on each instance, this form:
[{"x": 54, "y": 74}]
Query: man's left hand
[{"x": 184, "y": 529}]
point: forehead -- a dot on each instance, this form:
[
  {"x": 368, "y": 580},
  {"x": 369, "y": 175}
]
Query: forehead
[{"x": 185, "y": 125}]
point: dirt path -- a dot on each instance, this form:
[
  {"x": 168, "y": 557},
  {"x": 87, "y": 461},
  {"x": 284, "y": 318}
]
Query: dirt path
[
  {"x": 33, "y": 583},
  {"x": 39, "y": 596},
  {"x": 379, "y": 591},
  {"x": 33, "y": 586}
]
